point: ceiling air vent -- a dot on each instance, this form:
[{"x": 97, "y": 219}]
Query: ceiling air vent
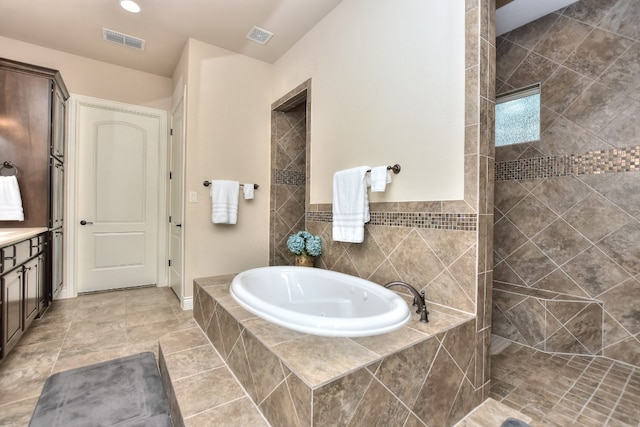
[
  {"x": 259, "y": 35},
  {"x": 122, "y": 39}
]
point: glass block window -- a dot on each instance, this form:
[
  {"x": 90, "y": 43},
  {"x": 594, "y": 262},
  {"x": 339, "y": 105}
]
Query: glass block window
[{"x": 518, "y": 116}]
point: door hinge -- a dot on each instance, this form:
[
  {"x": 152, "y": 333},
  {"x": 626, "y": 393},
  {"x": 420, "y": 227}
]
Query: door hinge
[
  {"x": 170, "y": 175},
  {"x": 169, "y": 218},
  {"x": 170, "y": 132},
  {"x": 169, "y": 263}
]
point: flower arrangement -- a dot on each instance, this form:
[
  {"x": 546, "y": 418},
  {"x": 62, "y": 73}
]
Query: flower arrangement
[{"x": 304, "y": 243}]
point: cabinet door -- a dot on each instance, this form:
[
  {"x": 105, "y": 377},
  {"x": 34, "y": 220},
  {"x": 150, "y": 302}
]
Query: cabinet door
[
  {"x": 57, "y": 194},
  {"x": 31, "y": 273},
  {"x": 57, "y": 261},
  {"x": 58, "y": 131},
  {"x": 11, "y": 309},
  {"x": 43, "y": 289}
]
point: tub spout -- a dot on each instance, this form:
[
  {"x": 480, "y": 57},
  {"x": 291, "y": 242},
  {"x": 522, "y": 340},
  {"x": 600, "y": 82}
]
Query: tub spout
[{"x": 418, "y": 299}]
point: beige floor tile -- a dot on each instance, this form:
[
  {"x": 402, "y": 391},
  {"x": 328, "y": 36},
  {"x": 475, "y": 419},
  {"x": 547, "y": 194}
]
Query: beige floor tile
[{"x": 17, "y": 413}]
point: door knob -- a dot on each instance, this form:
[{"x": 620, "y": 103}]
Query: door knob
[{"x": 83, "y": 222}]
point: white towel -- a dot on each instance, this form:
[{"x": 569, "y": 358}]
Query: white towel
[
  {"x": 248, "y": 191},
  {"x": 224, "y": 201},
  {"x": 350, "y": 204},
  {"x": 380, "y": 177},
  {"x": 10, "y": 200}
]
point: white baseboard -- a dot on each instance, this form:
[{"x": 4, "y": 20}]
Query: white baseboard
[{"x": 187, "y": 303}]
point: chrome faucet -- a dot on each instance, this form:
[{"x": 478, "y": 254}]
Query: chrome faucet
[{"x": 418, "y": 299}]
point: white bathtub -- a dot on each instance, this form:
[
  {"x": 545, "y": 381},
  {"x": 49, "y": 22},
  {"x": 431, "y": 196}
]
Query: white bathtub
[{"x": 319, "y": 302}]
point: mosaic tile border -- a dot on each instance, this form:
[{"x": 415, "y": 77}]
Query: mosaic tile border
[
  {"x": 289, "y": 177},
  {"x": 433, "y": 220},
  {"x": 615, "y": 160}
]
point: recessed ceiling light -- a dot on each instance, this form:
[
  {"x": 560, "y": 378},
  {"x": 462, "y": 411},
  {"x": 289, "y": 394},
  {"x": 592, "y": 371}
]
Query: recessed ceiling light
[{"x": 130, "y": 6}]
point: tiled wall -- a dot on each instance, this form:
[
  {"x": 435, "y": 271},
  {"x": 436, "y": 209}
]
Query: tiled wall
[
  {"x": 567, "y": 207},
  {"x": 441, "y": 247}
]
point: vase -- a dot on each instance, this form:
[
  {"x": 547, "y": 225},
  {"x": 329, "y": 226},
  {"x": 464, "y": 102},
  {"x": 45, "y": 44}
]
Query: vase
[{"x": 304, "y": 260}]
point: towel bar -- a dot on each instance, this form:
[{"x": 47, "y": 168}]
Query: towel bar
[
  {"x": 395, "y": 168},
  {"x": 9, "y": 165},
  {"x": 208, "y": 183}
]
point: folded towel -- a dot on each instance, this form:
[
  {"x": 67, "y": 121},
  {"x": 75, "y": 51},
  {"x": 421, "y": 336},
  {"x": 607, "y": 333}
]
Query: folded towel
[
  {"x": 10, "y": 200},
  {"x": 350, "y": 204},
  {"x": 248, "y": 191},
  {"x": 224, "y": 201},
  {"x": 380, "y": 177}
]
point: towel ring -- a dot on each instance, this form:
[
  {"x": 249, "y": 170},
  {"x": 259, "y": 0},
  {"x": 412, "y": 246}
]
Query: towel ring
[{"x": 9, "y": 165}]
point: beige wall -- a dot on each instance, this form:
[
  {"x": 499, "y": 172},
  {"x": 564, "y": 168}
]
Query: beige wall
[
  {"x": 228, "y": 131},
  {"x": 84, "y": 76},
  {"x": 388, "y": 87}
]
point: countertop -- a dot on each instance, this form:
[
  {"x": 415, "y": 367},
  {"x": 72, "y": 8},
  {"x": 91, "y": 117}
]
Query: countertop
[{"x": 13, "y": 235}]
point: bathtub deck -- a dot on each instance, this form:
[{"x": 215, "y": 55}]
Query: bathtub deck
[{"x": 301, "y": 379}]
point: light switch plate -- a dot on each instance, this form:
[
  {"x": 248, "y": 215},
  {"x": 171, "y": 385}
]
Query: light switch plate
[{"x": 193, "y": 196}]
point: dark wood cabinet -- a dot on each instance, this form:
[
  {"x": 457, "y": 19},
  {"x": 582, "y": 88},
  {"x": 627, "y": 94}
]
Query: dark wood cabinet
[
  {"x": 32, "y": 137},
  {"x": 22, "y": 278}
]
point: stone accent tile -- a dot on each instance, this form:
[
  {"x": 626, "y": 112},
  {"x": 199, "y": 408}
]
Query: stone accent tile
[
  {"x": 456, "y": 342},
  {"x": 593, "y": 206},
  {"x": 622, "y": 247},
  {"x": 561, "y": 193},
  {"x": 404, "y": 372},
  {"x": 617, "y": 188},
  {"x": 334, "y": 356},
  {"x": 596, "y": 107},
  {"x": 589, "y": 11},
  {"x": 564, "y": 137},
  {"x": 379, "y": 407},
  {"x": 595, "y": 272},
  {"x": 623, "y": 128},
  {"x": 622, "y": 74},
  {"x": 270, "y": 333},
  {"x": 367, "y": 256},
  {"x": 560, "y": 242},
  {"x": 622, "y": 303},
  {"x": 412, "y": 252},
  {"x": 230, "y": 330},
  {"x": 529, "y": 318},
  {"x": 529, "y": 35},
  {"x": 192, "y": 361},
  {"x": 587, "y": 327},
  {"x": 265, "y": 367},
  {"x": 194, "y": 393},
  {"x": 508, "y": 58},
  {"x": 562, "y": 38},
  {"x": 562, "y": 89},
  {"x": 445, "y": 377},
  {"x": 278, "y": 407},
  {"x": 336, "y": 402},
  {"x": 533, "y": 69},
  {"x": 239, "y": 413},
  {"x": 531, "y": 216},
  {"x": 239, "y": 365},
  {"x": 507, "y": 238},
  {"x": 623, "y": 19},
  {"x": 563, "y": 341},
  {"x": 301, "y": 396},
  {"x": 508, "y": 194},
  {"x": 597, "y": 52},
  {"x": 446, "y": 291}
]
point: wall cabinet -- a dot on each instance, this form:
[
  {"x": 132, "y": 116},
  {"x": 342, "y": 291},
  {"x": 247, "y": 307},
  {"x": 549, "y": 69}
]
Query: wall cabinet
[{"x": 22, "y": 278}]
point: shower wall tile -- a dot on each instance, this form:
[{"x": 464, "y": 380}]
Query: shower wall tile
[{"x": 583, "y": 170}]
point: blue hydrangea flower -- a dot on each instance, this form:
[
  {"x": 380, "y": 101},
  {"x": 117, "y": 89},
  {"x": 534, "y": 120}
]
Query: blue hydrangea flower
[{"x": 304, "y": 243}]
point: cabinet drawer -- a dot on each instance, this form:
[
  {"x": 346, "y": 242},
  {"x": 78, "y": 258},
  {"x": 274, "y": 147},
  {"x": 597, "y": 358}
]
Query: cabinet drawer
[
  {"x": 23, "y": 251},
  {"x": 7, "y": 258},
  {"x": 37, "y": 244}
]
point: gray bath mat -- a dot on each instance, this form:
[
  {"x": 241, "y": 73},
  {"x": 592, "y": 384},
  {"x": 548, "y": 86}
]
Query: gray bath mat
[
  {"x": 514, "y": 422},
  {"x": 123, "y": 392}
]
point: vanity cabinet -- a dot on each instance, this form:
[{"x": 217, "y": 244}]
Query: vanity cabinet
[{"x": 22, "y": 278}]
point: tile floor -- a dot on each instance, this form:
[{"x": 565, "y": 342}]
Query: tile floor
[
  {"x": 552, "y": 390},
  {"x": 80, "y": 331},
  {"x": 566, "y": 391}
]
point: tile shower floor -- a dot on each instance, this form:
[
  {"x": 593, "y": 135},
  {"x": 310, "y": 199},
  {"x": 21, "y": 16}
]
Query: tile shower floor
[
  {"x": 553, "y": 391},
  {"x": 566, "y": 390}
]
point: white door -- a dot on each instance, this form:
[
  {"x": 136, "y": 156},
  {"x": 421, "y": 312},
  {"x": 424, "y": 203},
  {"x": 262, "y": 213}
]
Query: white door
[
  {"x": 117, "y": 203},
  {"x": 176, "y": 204}
]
